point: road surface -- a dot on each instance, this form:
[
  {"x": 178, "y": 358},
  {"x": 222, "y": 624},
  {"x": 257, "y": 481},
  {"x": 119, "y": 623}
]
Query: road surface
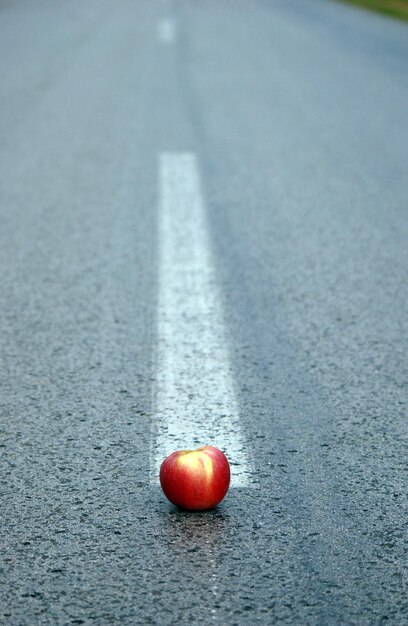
[{"x": 203, "y": 236}]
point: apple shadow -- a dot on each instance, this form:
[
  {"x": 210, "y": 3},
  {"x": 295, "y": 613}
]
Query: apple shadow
[{"x": 194, "y": 530}]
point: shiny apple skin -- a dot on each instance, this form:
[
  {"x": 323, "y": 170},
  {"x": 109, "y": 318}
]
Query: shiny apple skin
[{"x": 195, "y": 480}]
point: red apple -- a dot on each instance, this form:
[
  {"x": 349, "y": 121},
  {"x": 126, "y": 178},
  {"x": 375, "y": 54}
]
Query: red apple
[{"x": 195, "y": 479}]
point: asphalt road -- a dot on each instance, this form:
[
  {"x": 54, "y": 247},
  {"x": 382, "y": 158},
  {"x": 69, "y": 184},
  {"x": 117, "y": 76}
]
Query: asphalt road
[{"x": 295, "y": 113}]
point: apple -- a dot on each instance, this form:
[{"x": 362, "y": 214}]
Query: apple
[{"x": 195, "y": 479}]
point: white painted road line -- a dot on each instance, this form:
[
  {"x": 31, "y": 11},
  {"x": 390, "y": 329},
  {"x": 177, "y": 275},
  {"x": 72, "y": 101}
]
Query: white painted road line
[
  {"x": 195, "y": 401},
  {"x": 167, "y": 31}
]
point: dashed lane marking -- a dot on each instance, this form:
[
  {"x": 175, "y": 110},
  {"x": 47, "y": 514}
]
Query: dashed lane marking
[
  {"x": 167, "y": 31},
  {"x": 195, "y": 399}
]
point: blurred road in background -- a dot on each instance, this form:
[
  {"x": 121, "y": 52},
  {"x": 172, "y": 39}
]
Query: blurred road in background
[{"x": 291, "y": 117}]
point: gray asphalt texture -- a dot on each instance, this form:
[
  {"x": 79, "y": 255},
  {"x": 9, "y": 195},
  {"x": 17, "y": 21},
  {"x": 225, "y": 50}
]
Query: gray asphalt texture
[{"x": 297, "y": 112}]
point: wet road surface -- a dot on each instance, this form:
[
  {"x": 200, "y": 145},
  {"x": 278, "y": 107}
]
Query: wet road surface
[{"x": 294, "y": 117}]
